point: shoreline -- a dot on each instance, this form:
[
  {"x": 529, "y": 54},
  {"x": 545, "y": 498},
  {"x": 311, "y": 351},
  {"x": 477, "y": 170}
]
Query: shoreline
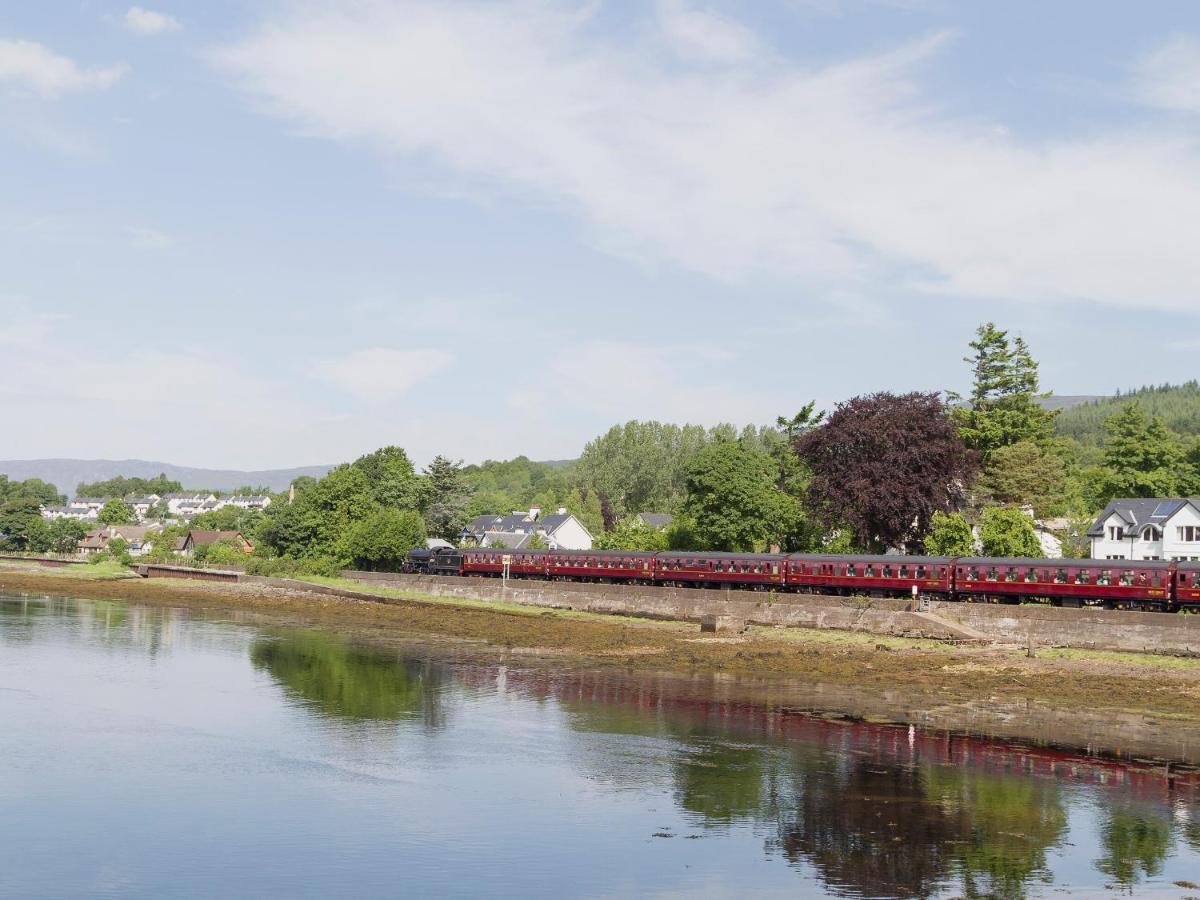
[{"x": 1121, "y": 705}]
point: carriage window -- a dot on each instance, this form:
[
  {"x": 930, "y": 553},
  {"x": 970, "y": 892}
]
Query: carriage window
[
  {"x": 1083, "y": 576},
  {"x": 869, "y": 571},
  {"x": 775, "y": 569},
  {"x": 1155, "y": 579},
  {"x": 973, "y": 573},
  {"x": 1031, "y": 575},
  {"x": 1011, "y": 574},
  {"x": 1060, "y": 576},
  {"x": 758, "y": 568},
  {"x": 1105, "y": 577},
  {"x": 850, "y": 569},
  {"x": 991, "y": 573},
  {"x": 921, "y": 571},
  {"x": 904, "y": 571}
]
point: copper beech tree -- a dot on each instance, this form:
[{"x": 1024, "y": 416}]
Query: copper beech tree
[{"x": 883, "y": 464}]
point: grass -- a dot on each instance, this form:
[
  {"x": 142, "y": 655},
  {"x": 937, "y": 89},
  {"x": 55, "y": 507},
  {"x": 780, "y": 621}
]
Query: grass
[
  {"x": 107, "y": 570},
  {"x": 473, "y": 603},
  {"x": 1149, "y": 660},
  {"x": 845, "y": 638}
]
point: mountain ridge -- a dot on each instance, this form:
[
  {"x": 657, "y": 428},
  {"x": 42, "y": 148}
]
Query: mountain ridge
[{"x": 66, "y": 473}]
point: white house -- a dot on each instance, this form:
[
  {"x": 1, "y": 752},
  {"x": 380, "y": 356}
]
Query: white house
[
  {"x": 248, "y": 501},
  {"x": 187, "y": 504},
  {"x": 82, "y": 514},
  {"x": 83, "y": 504},
  {"x": 560, "y": 531},
  {"x": 1152, "y": 528}
]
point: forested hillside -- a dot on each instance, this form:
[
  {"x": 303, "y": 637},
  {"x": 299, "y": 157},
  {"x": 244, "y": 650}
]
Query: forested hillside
[{"x": 1177, "y": 405}]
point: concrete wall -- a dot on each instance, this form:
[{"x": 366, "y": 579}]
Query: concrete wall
[
  {"x": 1101, "y": 629},
  {"x": 680, "y": 604}
]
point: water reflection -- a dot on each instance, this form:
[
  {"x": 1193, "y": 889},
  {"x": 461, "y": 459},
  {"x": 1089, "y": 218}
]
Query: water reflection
[
  {"x": 538, "y": 756},
  {"x": 338, "y": 679}
]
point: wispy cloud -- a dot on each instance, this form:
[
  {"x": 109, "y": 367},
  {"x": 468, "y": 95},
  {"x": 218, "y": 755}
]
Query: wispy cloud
[
  {"x": 380, "y": 373},
  {"x": 34, "y": 68},
  {"x": 1169, "y": 78},
  {"x": 141, "y": 238},
  {"x": 148, "y": 22},
  {"x": 841, "y": 179}
]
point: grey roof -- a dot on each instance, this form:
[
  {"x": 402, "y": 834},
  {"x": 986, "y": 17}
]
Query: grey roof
[
  {"x": 551, "y": 524},
  {"x": 656, "y": 520},
  {"x": 480, "y": 524},
  {"x": 1139, "y": 511},
  {"x": 510, "y": 540},
  {"x": 515, "y": 522}
]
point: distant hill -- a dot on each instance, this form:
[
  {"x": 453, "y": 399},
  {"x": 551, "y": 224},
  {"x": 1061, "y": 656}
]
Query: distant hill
[
  {"x": 1178, "y": 405},
  {"x": 65, "y": 474},
  {"x": 1070, "y": 401}
]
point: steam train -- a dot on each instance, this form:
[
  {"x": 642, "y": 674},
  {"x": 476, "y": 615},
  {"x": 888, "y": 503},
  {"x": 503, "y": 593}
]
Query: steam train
[{"x": 1115, "y": 584}]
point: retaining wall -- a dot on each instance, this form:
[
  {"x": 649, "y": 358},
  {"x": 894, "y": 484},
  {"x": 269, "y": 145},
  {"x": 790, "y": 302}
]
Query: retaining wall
[
  {"x": 53, "y": 562},
  {"x": 884, "y": 616},
  {"x": 1101, "y": 629}
]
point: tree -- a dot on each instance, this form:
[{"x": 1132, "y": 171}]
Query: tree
[
  {"x": 1007, "y": 531},
  {"x": 1024, "y": 473},
  {"x": 391, "y": 478},
  {"x": 633, "y": 534},
  {"x": 1142, "y": 457},
  {"x": 120, "y": 487},
  {"x": 448, "y": 492},
  {"x": 1003, "y": 405},
  {"x": 116, "y": 512},
  {"x": 883, "y": 464},
  {"x": 118, "y": 550},
  {"x": 949, "y": 535},
  {"x": 732, "y": 498},
  {"x": 21, "y": 525},
  {"x": 381, "y": 541},
  {"x": 64, "y": 535}
]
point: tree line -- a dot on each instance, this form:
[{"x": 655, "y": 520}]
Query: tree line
[{"x": 913, "y": 471}]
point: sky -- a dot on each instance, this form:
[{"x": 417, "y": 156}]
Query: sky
[{"x": 275, "y": 232}]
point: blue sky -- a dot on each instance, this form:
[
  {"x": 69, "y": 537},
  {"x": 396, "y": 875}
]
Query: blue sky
[{"x": 281, "y": 233}]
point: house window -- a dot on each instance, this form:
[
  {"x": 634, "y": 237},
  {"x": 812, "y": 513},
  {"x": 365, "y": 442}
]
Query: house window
[
  {"x": 1150, "y": 533},
  {"x": 1116, "y": 532},
  {"x": 1188, "y": 533}
]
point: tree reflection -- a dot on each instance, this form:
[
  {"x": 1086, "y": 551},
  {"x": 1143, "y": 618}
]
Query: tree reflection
[
  {"x": 869, "y": 828},
  {"x": 345, "y": 681},
  {"x": 1007, "y": 824},
  {"x": 721, "y": 782},
  {"x": 1135, "y": 842}
]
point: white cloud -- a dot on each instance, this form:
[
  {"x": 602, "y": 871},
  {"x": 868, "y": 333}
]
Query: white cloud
[
  {"x": 379, "y": 373},
  {"x": 839, "y": 179},
  {"x": 33, "y": 67},
  {"x": 702, "y": 36},
  {"x": 148, "y": 22},
  {"x": 24, "y": 328},
  {"x": 1169, "y": 78},
  {"x": 141, "y": 238}
]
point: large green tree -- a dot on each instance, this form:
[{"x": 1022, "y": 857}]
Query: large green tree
[
  {"x": 732, "y": 499},
  {"x": 381, "y": 541},
  {"x": 391, "y": 478},
  {"x": 21, "y": 525},
  {"x": 1007, "y": 531},
  {"x": 949, "y": 535},
  {"x": 883, "y": 464},
  {"x": 1024, "y": 473},
  {"x": 1003, "y": 406},
  {"x": 122, "y": 487},
  {"x": 1142, "y": 457},
  {"x": 448, "y": 492},
  {"x": 116, "y": 512}
]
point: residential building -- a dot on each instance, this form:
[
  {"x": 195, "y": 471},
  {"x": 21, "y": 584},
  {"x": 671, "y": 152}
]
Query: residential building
[
  {"x": 560, "y": 530},
  {"x": 140, "y": 538},
  {"x": 141, "y": 505},
  {"x": 187, "y": 504},
  {"x": 86, "y": 503},
  {"x": 656, "y": 521},
  {"x": 187, "y": 544},
  {"x": 1148, "y": 528},
  {"x": 248, "y": 501},
  {"x": 83, "y": 514}
]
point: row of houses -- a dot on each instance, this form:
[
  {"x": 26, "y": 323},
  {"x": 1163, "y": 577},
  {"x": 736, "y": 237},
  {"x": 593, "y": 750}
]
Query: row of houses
[
  {"x": 183, "y": 506},
  {"x": 140, "y": 540}
]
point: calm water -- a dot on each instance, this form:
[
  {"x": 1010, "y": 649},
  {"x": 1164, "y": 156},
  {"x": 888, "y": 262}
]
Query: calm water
[{"x": 152, "y": 753}]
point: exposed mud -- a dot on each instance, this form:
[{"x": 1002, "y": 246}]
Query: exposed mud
[{"x": 1099, "y": 704}]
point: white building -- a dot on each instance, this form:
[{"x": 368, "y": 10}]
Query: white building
[
  {"x": 1153, "y": 528},
  {"x": 82, "y": 514},
  {"x": 188, "y": 504},
  {"x": 248, "y": 501},
  {"x": 560, "y": 531}
]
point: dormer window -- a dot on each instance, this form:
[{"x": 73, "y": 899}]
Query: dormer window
[
  {"x": 1150, "y": 533},
  {"x": 1116, "y": 532}
]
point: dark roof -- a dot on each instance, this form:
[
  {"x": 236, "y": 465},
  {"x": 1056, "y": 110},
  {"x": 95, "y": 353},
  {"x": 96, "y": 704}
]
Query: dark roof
[
  {"x": 508, "y": 540},
  {"x": 1064, "y": 563},
  {"x": 515, "y": 522},
  {"x": 204, "y": 538},
  {"x": 713, "y": 554},
  {"x": 1139, "y": 511},
  {"x": 480, "y": 524},
  {"x": 552, "y": 523},
  {"x": 656, "y": 520}
]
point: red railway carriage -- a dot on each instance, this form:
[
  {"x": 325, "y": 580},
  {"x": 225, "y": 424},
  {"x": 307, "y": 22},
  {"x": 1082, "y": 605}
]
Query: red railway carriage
[
  {"x": 825, "y": 573},
  {"x": 746, "y": 569},
  {"x": 1066, "y": 582},
  {"x": 1187, "y": 584},
  {"x": 490, "y": 561},
  {"x": 600, "y": 565}
]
